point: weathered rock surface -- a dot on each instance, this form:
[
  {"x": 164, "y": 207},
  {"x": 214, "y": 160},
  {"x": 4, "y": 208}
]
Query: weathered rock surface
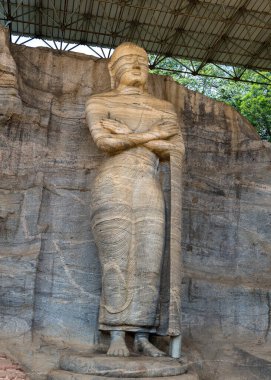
[
  {"x": 257, "y": 359},
  {"x": 50, "y": 274}
]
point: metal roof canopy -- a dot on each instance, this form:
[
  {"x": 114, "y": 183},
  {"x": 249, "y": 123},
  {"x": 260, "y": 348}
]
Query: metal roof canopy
[{"x": 229, "y": 32}]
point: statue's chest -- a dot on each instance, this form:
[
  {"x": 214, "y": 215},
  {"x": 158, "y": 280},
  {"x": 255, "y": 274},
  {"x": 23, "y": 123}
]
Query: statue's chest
[{"x": 137, "y": 114}]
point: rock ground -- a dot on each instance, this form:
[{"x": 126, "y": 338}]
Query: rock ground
[{"x": 10, "y": 370}]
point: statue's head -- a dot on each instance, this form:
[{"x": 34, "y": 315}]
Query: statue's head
[{"x": 128, "y": 66}]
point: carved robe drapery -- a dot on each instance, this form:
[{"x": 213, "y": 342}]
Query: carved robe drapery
[{"x": 128, "y": 220}]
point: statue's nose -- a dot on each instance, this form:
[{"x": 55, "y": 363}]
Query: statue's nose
[{"x": 136, "y": 62}]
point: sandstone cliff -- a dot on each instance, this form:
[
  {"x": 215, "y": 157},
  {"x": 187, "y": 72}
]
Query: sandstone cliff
[{"x": 50, "y": 275}]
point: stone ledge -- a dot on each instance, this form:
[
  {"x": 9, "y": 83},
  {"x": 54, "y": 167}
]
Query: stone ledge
[
  {"x": 123, "y": 367},
  {"x": 65, "y": 375}
]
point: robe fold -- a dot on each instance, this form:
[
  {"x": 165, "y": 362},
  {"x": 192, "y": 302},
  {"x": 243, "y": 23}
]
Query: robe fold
[{"x": 129, "y": 222}]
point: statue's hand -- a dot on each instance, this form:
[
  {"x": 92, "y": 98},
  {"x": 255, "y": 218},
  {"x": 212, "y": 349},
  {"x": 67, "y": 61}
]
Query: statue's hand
[
  {"x": 165, "y": 129},
  {"x": 165, "y": 148},
  {"x": 115, "y": 127}
]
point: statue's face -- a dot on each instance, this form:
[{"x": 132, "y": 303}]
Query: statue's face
[{"x": 131, "y": 70}]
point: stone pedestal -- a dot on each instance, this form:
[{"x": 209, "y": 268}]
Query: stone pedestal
[
  {"x": 65, "y": 375},
  {"x": 76, "y": 367}
]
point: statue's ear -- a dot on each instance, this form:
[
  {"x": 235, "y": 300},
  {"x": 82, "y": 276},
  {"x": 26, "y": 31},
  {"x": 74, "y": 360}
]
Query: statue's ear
[{"x": 112, "y": 75}]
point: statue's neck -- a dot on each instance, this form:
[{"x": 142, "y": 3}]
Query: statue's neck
[{"x": 130, "y": 90}]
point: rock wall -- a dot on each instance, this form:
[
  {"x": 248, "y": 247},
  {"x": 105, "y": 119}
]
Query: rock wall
[{"x": 50, "y": 275}]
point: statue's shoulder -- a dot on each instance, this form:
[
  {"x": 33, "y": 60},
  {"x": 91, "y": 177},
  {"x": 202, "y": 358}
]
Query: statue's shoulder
[
  {"x": 101, "y": 97},
  {"x": 99, "y": 102},
  {"x": 162, "y": 104}
]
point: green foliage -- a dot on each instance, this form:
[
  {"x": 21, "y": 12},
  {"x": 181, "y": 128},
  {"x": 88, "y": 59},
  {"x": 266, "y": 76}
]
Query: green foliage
[
  {"x": 252, "y": 100},
  {"x": 255, "y": 105}
]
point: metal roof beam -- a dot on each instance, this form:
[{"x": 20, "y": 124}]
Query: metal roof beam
[
  {"x": 229, "y": 77},
  {"x": 224, "y": 35},
  {"x": 181, "y": 27},
  {"x": 259, "y": 51}
]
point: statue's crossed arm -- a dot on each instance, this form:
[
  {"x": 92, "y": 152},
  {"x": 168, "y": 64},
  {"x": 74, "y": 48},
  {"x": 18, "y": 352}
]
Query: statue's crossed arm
[{"x": 113, "y": 135}]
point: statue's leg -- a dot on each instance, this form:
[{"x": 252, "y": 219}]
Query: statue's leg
[
  {"x": 111, "y": 227},
  {"x": 149, "y": 219}
]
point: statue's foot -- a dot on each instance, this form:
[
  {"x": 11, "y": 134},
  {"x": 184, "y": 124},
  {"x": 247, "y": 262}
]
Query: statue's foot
[
  {"x": 118, "y": 346},
  {"x": 143, "y": 345}
]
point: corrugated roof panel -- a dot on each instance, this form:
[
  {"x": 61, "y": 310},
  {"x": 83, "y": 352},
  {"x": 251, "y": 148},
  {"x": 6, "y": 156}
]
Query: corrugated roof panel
[
  {"x": 262, "y": 20},
  {"x": 259, "y": 6},
  {"x": 266, "y": 54},
  {"x": 229, "y": 3},
  {"x": 212, "y": 30}
]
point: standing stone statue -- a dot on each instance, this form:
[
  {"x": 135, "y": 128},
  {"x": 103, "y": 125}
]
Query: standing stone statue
[{"x": 136, "y": 130}]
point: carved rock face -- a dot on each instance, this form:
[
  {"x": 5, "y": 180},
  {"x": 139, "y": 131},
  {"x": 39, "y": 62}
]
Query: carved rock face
[
  {"x": 128, "y": 65},
  {"x": 131, "y": 70}
]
